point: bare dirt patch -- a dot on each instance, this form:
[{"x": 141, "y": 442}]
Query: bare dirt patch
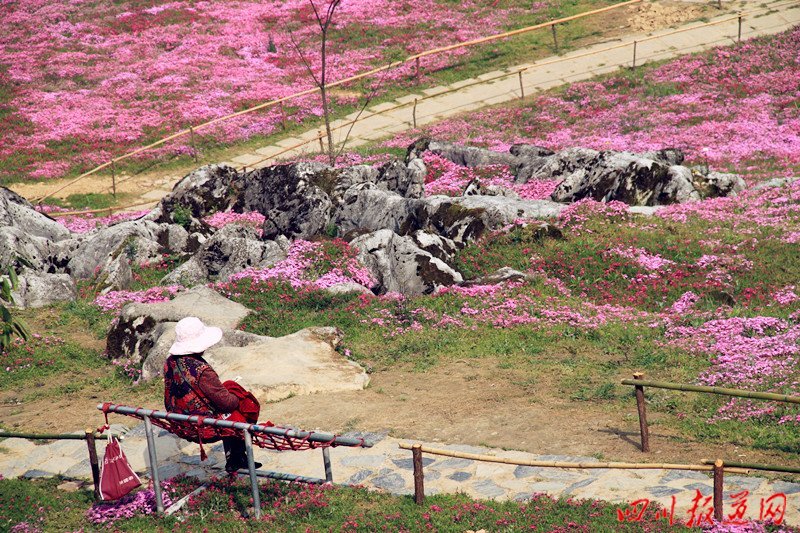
[
  {"x": 463, "y": 402},
  {"x": 653, "y": 16}
]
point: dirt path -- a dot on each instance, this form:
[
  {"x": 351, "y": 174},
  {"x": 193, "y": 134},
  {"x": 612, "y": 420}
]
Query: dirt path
[{"x": 465, "y": 402}]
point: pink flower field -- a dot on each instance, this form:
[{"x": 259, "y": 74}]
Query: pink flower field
[
  {"x": 82, "y": 82},
  {"x": 734, "y": 108}
]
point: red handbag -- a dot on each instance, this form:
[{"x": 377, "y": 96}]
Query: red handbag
[{"x": 117, "y": 478}]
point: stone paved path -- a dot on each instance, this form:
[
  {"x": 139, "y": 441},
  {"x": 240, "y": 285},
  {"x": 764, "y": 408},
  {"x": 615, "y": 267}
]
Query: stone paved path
[
  {"x": 540, "y": 75},
  {"x": 386, "y": 467}
]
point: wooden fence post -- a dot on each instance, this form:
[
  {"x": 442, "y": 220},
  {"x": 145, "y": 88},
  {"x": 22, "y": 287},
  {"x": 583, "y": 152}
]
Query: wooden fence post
[
  {"x": 718, "y": 480},
  {"x": 191, "y": 142},
  {"x": 555, "y": 39},
  {"x": 634, "y": 55},
  {"x": 283, "y": 116},
  {"x": 321, "y": 144},
  {"x": 739, "y": 38},
  {"x": 419, "y": 487},
  {"x": 414, "y": 113},
  {"x": 416, "y": 70},
  {"x": 640, "y": 406},
  {"x": 113, "y": 179},
  {"x": 93, "y": 462},
  {"x": 521, "y": 88}
]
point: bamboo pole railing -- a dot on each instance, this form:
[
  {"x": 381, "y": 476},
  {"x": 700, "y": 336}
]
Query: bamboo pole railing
[
  {"x": 394, "y": 64},
  {"x": 758, "y": 466},
  {"x": 717, "y": 468},
  {"x": 565, "y": 464},
  {"x": 639, "y": 383},
  {"x": 89, "y": 435},
  {"x": 722, "y": 391}
]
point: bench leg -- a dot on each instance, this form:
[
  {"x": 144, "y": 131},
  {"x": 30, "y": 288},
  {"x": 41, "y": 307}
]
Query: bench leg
[
  {"x": 248, "y": 443},
  {"x": 326, "y": 459},
  {"x": 151, "y": 451}
]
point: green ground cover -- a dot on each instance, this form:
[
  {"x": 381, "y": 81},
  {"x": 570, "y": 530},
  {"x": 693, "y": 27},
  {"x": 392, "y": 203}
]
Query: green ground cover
[{"x": 289, "y": 508}]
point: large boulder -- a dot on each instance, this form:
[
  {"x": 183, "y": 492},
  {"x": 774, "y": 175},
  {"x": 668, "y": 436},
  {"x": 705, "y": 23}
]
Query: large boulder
[
  {"x": 466, "y": 156},
  {"x": 98, "y": 250},
  {"x": 405, "y": 179},
  {"x": 17, "y": 245},
  {"x": 17, "y": 211},
  {"x": 716, "y": 184},
  {"x": 139, "y": 326},
  {"x": 292, "y": 197},
  {"x": 305, "y": 362},
  {"x": 230, "y": 250},
  {"x": 205, "y": 191},
  {"x": 628, "y": 178},
  {"x": 37, "y": 289},
  {"x": 367, "y": 208},
  {"x": 399, "y": 265}
]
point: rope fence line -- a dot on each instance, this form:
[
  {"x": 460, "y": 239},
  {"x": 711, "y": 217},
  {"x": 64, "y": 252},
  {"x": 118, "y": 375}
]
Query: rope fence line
[
  {"x": 516, "y": 72},
  {"x": 717, "y": 468},
  {"x": 394, "y": 64}
]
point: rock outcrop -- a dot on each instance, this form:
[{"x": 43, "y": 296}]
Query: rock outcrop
[{"x": 401, "y": 266}]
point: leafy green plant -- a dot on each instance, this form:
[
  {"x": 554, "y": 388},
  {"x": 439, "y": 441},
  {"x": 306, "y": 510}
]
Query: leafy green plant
[
  {"x": 182, "y": 215},
  {"x": 9, "y": 326}
]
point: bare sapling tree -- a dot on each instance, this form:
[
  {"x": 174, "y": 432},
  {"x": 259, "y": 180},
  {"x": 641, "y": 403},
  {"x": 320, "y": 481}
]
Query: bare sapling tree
[{"x": 324, "y": 21}]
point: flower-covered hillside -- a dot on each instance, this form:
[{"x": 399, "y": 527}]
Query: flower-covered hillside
[
  {"x": 82, "y": 82},
  {"x": 735, "y": 107}
]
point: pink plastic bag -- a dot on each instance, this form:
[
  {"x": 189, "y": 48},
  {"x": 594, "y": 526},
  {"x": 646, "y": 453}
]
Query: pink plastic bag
[{"x": 117, "y": 478}]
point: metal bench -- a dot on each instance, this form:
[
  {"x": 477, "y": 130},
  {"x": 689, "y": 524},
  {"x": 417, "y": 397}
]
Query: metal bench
[{"x": 264, "y": 436}]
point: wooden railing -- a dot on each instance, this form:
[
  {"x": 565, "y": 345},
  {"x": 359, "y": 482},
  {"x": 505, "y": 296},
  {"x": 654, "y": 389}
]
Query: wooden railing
[{"x": 639, "y": 384}]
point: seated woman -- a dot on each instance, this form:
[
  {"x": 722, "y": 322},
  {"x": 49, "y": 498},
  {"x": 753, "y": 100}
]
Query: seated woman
[{"x": 192, "y": 387}]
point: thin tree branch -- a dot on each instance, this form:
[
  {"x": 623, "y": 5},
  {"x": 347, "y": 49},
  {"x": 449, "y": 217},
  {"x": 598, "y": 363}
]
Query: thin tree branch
[{"x": 303, "y": 59}]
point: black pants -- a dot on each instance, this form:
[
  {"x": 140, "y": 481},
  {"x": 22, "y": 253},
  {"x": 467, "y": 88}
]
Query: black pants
[{"x": 235, "y": 453}]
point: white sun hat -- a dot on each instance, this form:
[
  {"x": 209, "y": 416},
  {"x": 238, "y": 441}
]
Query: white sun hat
[{"x": 192, "y": 336}]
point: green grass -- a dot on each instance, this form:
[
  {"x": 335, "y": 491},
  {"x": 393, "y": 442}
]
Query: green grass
[{"x": 289, "y": 508}]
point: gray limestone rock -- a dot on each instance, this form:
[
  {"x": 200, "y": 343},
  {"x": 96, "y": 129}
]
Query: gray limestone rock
[
  {"x": 99, "y": 249},
  {"x": 466, "y": 156},
  {"x": 230, "y": 250},
  {"x": 116, "y": 275},
  {"x": 17, "y": 211},
  {"x": 407, "y": 180},
  {"x": 499, "y": 276},
  {"x": 399, "y": 265},
  {"x": 716, "y": 184},
  {"x": 775, "y": 182},
  {"x": 293, "y": 198},
  {"x": 37, "y": 289},
  {"x": 365, "y": 207},
  {"x": 459, "y": 476},
  {"x": 350, "y": 176},
  {"x": 205, "y": 191},
  {"x": 347, "y": 288},
  {"x": 134, "y": 333}
]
